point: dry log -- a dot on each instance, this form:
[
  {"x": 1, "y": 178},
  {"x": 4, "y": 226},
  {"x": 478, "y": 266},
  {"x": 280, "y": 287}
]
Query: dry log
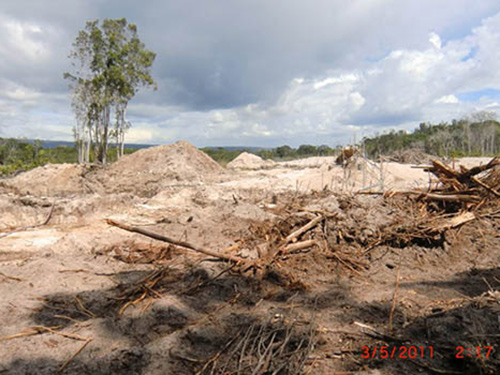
[
  {"x": 481, "y": 168},
  {"x": 453, "y": 222},
  {"x": 440, "y": 169},
  {"x": 187, "y": 245},
  {"x": 302, "y": 230},
  {"x": 482, "y": 184},
  {"x": 299, "y": 246},
  {"x": 447, "y": 197}
]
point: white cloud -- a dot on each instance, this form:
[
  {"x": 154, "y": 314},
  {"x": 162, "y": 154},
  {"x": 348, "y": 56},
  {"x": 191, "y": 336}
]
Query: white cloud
[
  {"x": 24, "y": 40},
  {"x": 140, "y": 135},
  {"x": 17, "y": 92},
  {"x": 435, "y": 40},
  {"x": 361, "y": 69},
  {"x": 448, "y": 99}
]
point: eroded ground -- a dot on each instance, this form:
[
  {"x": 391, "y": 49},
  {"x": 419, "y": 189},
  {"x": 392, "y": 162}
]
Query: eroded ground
[{"x": 139, "y": 306}]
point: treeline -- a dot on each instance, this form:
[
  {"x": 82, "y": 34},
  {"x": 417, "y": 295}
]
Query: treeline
[
  {"x": 18, "y": 155},
  {"x": 478, "y": 135},
  {"x": 224, "y": 156}
]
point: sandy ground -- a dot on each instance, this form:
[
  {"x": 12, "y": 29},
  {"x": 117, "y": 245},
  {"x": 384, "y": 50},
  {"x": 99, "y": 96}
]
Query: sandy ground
[{"x": 67, "y": 275}]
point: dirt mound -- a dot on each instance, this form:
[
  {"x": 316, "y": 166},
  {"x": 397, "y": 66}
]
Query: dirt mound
[
  {"x": 51, "y": 180},
  {"x": 250, "y": 161},
  {"x": 146, "y": 171},
  {"x": 412, "y": 156}
]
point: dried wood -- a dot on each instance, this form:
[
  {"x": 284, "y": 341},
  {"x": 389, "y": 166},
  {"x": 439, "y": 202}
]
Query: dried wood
[
  {"x": 61, "y": 369},
  {"x": 482, "y": 184},
  {"x": 440, "y": 169},
  {"x": 453, "y": 222},
  {"x": 447, "y": 197},
  {"x": 481, "y": 168},
  {"x": 186, "y": 245},
  {"x": 299, "y": 246},
  {"x": 303, "y": 229}
]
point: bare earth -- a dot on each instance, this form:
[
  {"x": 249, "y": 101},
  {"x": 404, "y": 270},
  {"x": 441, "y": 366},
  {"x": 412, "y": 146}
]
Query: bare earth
[{"x": 70, "y": 283}]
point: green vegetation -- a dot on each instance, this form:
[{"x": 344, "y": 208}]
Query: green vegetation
[
  {"x": 224, "y": 156},
  {"x": 111, "y": 64},
  {"x": 478, "y": 135},
  {"x": 221, "y": 155},
  {"x": 20, "y": 155}
]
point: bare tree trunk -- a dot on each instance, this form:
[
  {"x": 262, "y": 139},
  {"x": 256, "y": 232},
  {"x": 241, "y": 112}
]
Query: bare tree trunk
[
  {"x": 89, "y": 142},
  {"x": 122, "y": 129},
  {"x": 122, "y": 143},
  {"x": 105, "y": 133}
]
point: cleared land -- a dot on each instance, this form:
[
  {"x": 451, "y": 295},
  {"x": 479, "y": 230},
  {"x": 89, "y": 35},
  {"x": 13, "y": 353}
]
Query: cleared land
[{"x": 320, "y": 271}]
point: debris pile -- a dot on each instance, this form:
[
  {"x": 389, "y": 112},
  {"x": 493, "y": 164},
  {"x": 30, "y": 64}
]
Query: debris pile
[
  {"x": 140, "y": 253},
  {"x": 456, "y": 197},
  {"x": 411, "y": 156},
  {"x": 246, "y": 160},
  {"x": 466, "y": 188},
  {"x": 276, "y": 248},
  {"x": 346, "y": 155}
]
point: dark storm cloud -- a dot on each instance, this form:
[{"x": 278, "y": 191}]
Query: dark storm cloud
[{"x": 214, "y": 54}]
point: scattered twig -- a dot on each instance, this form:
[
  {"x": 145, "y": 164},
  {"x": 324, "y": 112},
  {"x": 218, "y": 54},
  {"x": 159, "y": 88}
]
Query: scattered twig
[
  {"x": 394, "y": 301},
  {"x": 10, "y": 277},
  {"x": 36, "y": 330},
  {"x": 61, "y": 369}
]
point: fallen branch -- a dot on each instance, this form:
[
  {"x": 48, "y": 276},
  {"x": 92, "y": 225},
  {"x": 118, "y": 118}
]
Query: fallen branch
[
  {"x": 187, "y": 245},
  {"x": 482, "y": 184},
  {"x": 61, "y": 369},
  {"x": 447, "y": 197},
  {"x": 299, "y": 246},
  {"x": 453, "y": 222},
  {"x": 481, "y": 168},
  {"x": 302, "y": 230}
]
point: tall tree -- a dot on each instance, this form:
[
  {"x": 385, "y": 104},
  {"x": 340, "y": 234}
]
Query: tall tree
[{"x": 111, "y": 65}]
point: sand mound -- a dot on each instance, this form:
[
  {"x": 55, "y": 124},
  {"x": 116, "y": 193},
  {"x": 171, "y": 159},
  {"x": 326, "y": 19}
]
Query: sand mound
[
  {"x": 249, "y": 161},
  {"x": 146, "y": 171},
  {"x": 51, "y": 180}
]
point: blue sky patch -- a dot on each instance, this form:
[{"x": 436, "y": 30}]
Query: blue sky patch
[
  {"x": 472, "y": 96},
  {"x": 471, "y": 54}
]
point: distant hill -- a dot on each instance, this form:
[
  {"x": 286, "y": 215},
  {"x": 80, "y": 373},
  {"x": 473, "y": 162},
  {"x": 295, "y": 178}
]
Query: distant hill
[
  {"x": 236, "y": 148},
  {"x": 136, "y": 146},
  {"x": 54, "y": 144}
]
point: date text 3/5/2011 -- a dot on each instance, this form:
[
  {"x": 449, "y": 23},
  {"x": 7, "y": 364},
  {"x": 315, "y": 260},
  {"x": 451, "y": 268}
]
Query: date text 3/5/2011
[{"x": 394, "y": 352}]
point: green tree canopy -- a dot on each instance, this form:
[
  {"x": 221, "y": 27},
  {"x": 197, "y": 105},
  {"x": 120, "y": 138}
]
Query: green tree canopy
[{"x": 111, "y": 65}]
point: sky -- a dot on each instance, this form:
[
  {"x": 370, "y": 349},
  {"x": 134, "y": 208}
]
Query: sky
[{"x": 262, "y": 73}]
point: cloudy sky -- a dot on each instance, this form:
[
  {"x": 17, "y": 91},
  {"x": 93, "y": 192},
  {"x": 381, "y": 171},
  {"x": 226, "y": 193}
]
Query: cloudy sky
[{"x": 262, "y": 73}]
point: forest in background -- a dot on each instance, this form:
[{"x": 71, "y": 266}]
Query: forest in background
[
  {"x": 478, "y": 135},
  {"x": 475, "y": 136}
]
